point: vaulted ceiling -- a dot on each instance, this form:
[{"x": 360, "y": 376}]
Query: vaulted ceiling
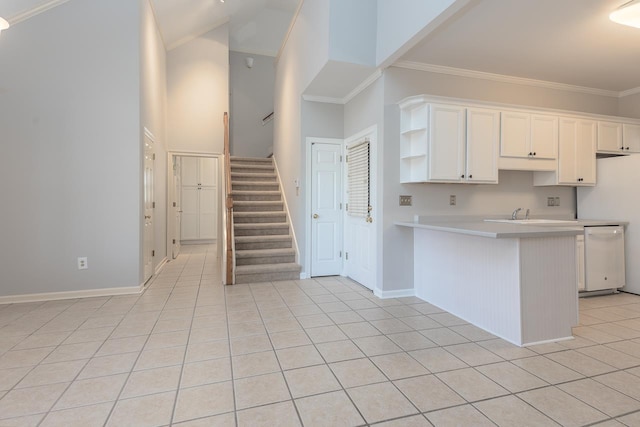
[
  {"x": 564, "y": 41},
  {"x": 255, "y": 26}
]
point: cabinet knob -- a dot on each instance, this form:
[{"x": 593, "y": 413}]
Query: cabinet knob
[
  {"x": 534, "y": 153},
  {"x": 530, "y": 153},
  {"x": 622, "y": 148},
  {"x": 470, "y": 176},
  {"x": 461, "y": 176},
  {"x": 627, "y": 148}
]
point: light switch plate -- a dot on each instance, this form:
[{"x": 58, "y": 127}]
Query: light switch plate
[
  {"x": 405, "y": 200},
  {"x": 557, "y": 201},
  {"x": 551, "y": 201}
]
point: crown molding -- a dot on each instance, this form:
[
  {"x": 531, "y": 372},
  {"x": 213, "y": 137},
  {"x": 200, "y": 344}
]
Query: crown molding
[
  {"x": 269, "y": 53},
  {"x": 348, "y": 97},
  {"x": 362, "y": 86},
  {"x": 441, "y": 69},
  {"x": 323, "y": 99},
  {"x": 196, "y": 34},
  {"x": 633, "y": 91},
  {"x": 30, "y": 13}
]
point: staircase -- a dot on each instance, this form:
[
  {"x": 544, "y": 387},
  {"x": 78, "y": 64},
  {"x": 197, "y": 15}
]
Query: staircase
[{"x": 264, "y": 246}]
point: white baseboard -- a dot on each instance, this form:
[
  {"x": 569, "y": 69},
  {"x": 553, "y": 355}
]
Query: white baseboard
[
  {"x": 160, "y": 266},
  {"x": 304, "y": 275},
  {"x": 48, "y": 296},
  {"x": 400, "y": 293}
]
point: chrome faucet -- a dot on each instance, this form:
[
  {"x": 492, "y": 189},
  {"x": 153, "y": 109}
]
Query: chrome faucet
[
  {"x": 526, "y": 215},
  {"x": 514, "y": 215}
]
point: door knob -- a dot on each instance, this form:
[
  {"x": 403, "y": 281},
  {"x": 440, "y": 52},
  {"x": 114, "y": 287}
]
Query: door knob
[
  {"x": 147, "y": 217},
  {"x": 315, "y": 216},
  {"x": 369, "y": 219}
]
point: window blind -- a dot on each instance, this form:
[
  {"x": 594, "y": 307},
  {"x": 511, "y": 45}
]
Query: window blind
[{"x": 358, "y": 179}]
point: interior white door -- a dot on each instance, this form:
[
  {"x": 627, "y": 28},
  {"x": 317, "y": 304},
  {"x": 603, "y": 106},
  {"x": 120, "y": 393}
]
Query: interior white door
[
  {"x": 360, "y": 250},
  {"x": 148, "y": 234},
  {"x": 190, "y": 214},
  {"x": 326, "y": 209},
  {"x": 207, "y": 213},
  {"x": 176, "y": 206}
]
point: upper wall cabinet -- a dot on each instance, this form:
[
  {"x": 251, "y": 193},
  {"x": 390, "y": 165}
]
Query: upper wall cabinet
[
  {"x": 448, "y": 143},
  {"x": 576, "y": 155},
  {"x": 631, "y": 138},
  {"x": 610, "y": 137},
  {"x": 531, "y": 136}
]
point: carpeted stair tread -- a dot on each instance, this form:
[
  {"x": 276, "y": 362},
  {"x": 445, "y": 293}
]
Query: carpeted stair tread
[
  {"x": 257, "y": 239},
  {"x": 268, "y": 268},
  {"x": 250, "y": 159}
]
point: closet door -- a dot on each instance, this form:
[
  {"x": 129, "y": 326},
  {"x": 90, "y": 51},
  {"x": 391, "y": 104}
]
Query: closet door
[{"x": 207, "y": 215}]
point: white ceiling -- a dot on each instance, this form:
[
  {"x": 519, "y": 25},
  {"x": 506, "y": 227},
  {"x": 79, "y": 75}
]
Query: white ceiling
[
  {"x": 255, "y": 26},
  {"x": 563, "y": 41}
]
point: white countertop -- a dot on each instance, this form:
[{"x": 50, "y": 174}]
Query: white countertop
[{"x": 501, "y": 230}]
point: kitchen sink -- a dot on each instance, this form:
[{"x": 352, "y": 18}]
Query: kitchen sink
[{"x": 534, "y": 221}]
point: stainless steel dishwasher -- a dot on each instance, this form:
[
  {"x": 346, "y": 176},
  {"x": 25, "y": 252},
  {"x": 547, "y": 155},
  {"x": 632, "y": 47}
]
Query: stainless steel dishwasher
[{"x": 604, "y": 258}]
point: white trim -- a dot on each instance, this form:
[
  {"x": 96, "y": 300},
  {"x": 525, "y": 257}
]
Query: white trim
[
  {"x": 400, "y": 293},
  {"x": 307, "y": 189},
  {"x": 269, "y": 53},
  {"x": 160, "y": 265},
  {"x": 362, "y": 86},
  {"x": 289, "y": 30},
  {"x": 348, "y": 97},
  {"x": 30, "y": 13},
  {"x": 196, "y": 34},
  {"x": 149, "y": 135},
  {"x": 441, "y": 69},
  {"x": 286, "y": 208},
  {"x": 304, "y": 276},
  {"x": 87, "y": 293},
  {"x": 323, "y": 99},
  {"x": 527, "y": 344},
  {"x": 629, "y": 92}
]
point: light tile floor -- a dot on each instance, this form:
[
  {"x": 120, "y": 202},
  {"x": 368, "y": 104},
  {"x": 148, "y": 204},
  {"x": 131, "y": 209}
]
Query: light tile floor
[{"x": 323, "y": 352}]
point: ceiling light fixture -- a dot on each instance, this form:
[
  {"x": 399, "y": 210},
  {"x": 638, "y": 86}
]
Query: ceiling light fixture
[
  {"x": 3, "y": 24},
  {"x": 627, "y": 14}
]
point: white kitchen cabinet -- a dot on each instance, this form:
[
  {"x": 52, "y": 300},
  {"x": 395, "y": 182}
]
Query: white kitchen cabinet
[
  {"x": 576, "y": 155},
  {"x": 631, "y": 137},
  {"x": 531, "y": 136},
  {"x": 580, "y": 273},
  {"x": 199, "y": 194},
  {"x": 483, "y": 141},
  {"x": 610, "y": 137},
  {"x": 448, "y": 143}
]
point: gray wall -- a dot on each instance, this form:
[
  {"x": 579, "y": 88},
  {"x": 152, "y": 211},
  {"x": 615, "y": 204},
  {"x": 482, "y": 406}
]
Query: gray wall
[
  {"x": 70, "y": 175},
  {"x": 198, "y": 92},
  {"x": 629, "y": 106},
  {"x": 251, "y": 101}
]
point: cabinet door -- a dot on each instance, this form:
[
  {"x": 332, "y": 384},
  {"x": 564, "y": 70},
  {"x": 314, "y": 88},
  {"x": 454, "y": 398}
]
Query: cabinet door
[
  {"x": 586, "y": 152},
  {"x": 544, "y": 136},
  {"x": 568, "y": 135},
  {"x": 483, "y": 139},
  {"x": 208, "y": 214},
  {"x": 208, "y": 171},
  {"x": 446, "y": 143},
  {"x": 515, "y": 134},
  {"x": 631, "y": 138},
  {"x": 609, "y": 136},
  {"x": 189, "y": 171},
  {"x": 189, "y": 223}
]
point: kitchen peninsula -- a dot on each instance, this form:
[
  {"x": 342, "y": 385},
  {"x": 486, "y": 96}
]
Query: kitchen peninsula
[{"x": 516, "y": 281}]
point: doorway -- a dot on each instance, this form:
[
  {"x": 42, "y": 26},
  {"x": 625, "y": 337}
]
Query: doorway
[
  {"x": 361, "y": 214},
  {"x": 195, "y": 200},
  {"x": 148, "y": 251},
  {"x": 326, "y": 208}
]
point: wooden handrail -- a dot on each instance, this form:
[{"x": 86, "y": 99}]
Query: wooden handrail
[{"x": 229, "y": 201}]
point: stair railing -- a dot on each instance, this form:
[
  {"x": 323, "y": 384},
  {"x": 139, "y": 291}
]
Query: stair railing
[{"x": 230, "y": 241}]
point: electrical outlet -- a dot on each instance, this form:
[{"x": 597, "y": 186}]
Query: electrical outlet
[
  {"x": 82, "y": 263},
  {"x": 557, "y": 201},
  {"x": 405, "y": 200},
  {"x": 452, "y": 200},
  {"x": 551, "y": 201}
]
